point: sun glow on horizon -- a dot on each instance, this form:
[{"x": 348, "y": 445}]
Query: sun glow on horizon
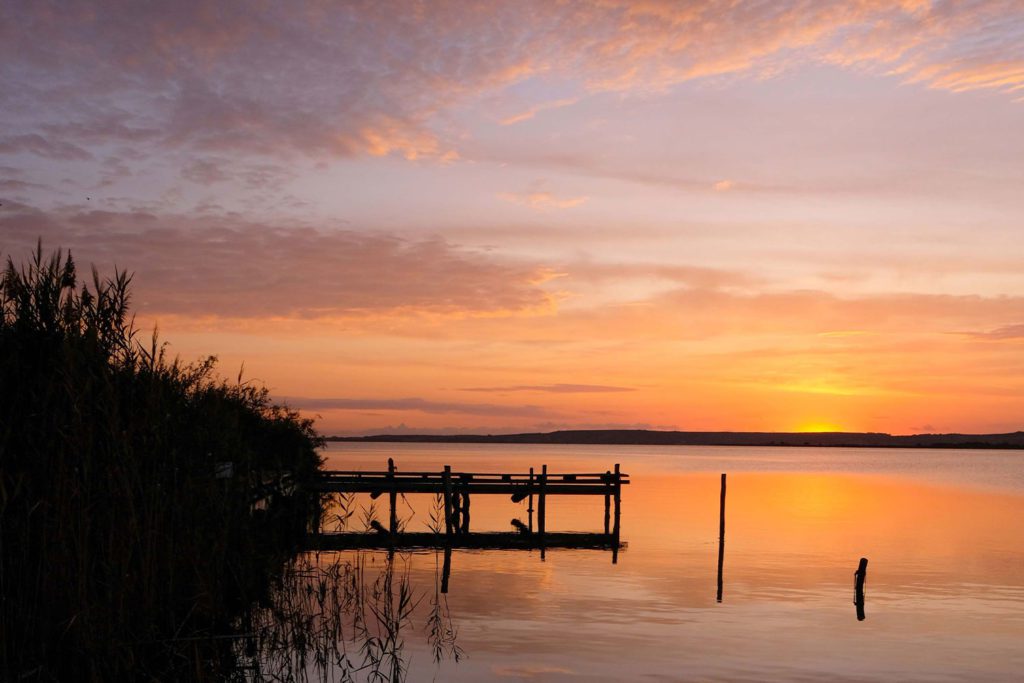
[{"x": 819, "y": 427}]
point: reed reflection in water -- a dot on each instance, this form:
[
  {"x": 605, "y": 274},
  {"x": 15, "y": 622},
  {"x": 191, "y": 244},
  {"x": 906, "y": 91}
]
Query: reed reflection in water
[{"x": 343, "y": 617}]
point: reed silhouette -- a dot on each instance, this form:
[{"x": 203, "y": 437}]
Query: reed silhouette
[
  {"x": 127, "y": 479},
  {"x": 337, "y": 618}
]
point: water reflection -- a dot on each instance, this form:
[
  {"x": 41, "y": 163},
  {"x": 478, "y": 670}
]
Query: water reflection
[
  {"x": 341, "y": 617},
  {"x": 947, "y": 587}
]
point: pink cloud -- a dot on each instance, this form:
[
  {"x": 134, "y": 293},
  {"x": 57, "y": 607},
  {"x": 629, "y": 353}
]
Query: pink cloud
[{"x": 229, "y": 267}]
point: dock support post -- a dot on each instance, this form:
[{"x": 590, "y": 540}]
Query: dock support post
[
  {"x": 465, "y": 512},
  {"x": 858, "y": 587},
  {"x": 447, "y": 476},
  {"x": 607, "y": 501},
  {"x": 529, "y": 508},
  {"x": 721, "y": 538},
  {"x": 541, "y": 502},
  {"x": 456, "y": 508},
  {"x": 618, "y": 514},
  {"x": 393, "y": 497}
]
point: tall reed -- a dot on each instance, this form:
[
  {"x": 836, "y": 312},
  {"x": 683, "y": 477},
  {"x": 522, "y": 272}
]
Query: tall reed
[{"x": 118, "y": 541}]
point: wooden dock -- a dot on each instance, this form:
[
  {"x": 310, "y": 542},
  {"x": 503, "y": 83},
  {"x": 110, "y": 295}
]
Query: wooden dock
[{"x": 458, "y": 489}]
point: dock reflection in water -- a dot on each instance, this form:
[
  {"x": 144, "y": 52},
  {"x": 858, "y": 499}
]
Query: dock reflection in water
[
  {"x": 346, "y": 615},
  {"x": 946, "y": 583}
]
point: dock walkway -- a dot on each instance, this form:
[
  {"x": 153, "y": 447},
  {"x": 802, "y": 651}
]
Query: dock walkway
[{"x": 459, "y": 488}]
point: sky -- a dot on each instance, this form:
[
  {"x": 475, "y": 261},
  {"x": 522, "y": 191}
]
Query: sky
[{"x": 453, "y": 216}]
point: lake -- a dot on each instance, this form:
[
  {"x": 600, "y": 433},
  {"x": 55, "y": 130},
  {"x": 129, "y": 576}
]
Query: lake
[{"x": 944, "y": 594}]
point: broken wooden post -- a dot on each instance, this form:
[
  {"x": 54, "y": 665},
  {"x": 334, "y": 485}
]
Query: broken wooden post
[
  {"x": 721, "y": 537},
  {"x": 529, "y": 508},
  {"x": 447, "y": 477},
  {"x": 858, "y": 587},
  {"x": 393, "y": 497}
]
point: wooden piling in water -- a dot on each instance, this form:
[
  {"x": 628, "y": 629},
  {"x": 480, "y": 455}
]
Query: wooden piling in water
[
  {"x": 465, "y": 512},
  {"x": 529, "y": 508},
  {"x": 618, "y": 514},
  {"x": 447, "y": 499},
  {"x": 858, "y": 587},
  {"x": 541, "y": 503},
  {"x": 608, "y": 502},
  {"x": 392, "y": 498},
  {"x": 721, "y": 538}
]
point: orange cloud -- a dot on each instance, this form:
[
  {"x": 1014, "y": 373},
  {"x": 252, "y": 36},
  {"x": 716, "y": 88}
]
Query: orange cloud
[
  {"x": 542, "y": 199},
  {"x": 536, "y": 109}
]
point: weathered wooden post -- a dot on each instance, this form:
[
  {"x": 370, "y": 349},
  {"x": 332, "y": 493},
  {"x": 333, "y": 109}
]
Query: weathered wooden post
[
  {"x": 607, "y": 501},
  {"x": 541, "y": 502},
  {"x": 529, "y": 508},
  {"x": 393, "y": 497},
  {"x": 858, "y": 587},
  {"x": 721, "y": 537},
  {"x": 447, "y": 477},
  {"x": 618, "y": 500}
]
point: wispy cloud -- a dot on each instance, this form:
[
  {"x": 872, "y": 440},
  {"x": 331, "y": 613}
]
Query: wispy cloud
[
  {"x": 419, "y": 405},
  {"x": 542, "y": 199},
  {"x": 554, "y": 388},
  {"x": 530, "y": 113},
  {"x": 1005, "y": 332}
]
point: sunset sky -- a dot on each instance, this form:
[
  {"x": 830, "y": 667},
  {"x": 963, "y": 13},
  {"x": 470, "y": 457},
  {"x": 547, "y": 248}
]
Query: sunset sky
[{"x": 493, "y": 217}]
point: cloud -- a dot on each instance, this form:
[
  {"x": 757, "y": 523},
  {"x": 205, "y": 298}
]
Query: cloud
[
  {"x": 369, "y": 78},
  {"x": 541, "y": 200},
  {"x": 211, "y": 170},
  {"x": 206, "y": 171},
  {"x": 538, "y": 108},
  {"x": 227, "y": 267},
  {"x": 45, "y": 147},
  {"x": 700, "y": 277},
  {"x": 696, "y": 314},
  {"x": 1006, "y": 332},
  {"x": 418, "y": 405},
  {"x": 16, "y": 185},
  {"x": 554, "y": 388}
]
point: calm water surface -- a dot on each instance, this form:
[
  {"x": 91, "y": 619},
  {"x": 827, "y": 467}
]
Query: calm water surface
[{"x": 942, "y": 531}]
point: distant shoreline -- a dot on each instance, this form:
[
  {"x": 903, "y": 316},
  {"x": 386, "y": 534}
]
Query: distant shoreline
[{"x": 642, "y": 437}]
